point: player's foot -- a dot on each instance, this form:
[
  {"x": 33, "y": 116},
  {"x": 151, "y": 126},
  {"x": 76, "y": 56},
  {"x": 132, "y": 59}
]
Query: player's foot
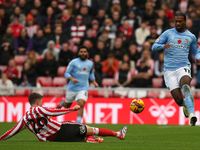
[
  {"x": 122, "y": 133},
  {"x": 92, "y": 139},
  {"x": 193, "y": 119},
  {"x": 185, "y": 111},
  {"x": 60, "y": 104}
]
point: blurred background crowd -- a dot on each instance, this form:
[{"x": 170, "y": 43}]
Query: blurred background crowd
[{"x": 38, "y": 38}]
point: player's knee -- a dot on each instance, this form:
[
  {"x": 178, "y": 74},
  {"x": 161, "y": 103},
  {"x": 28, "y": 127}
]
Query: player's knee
[{"x": 81, "y": 104}]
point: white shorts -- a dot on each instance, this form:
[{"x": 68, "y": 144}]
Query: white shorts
[
  {"x": 172, "y": 78},
  {"x": 75, "y": 96}
]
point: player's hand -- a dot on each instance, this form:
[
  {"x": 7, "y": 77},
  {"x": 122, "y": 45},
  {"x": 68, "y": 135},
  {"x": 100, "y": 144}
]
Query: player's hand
[
  {"x": 198, "y": 61},
  {"x": 95, "y": 84},
  {"x": 77, "y": 107},
  {"x": 74, "y": 80},
  {"x": 167, "y": 46}
]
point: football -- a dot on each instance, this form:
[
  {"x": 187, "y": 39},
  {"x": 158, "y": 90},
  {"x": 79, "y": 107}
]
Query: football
[{"x": 137, "y": 105}]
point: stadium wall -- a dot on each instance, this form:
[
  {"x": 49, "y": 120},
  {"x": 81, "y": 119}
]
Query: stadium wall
[{"x": 105, "y": 110}]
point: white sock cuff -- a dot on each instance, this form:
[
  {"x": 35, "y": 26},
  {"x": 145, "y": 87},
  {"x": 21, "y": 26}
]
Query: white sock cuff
[{"x": 95, "y": 131}]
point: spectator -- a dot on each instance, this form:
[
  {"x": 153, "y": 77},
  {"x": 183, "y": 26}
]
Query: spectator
[
  {"x": 130, "y": 6},
  {"x": 161, "y": 15},
  {"x": 24, "y": 6},
  {"x": 12, "y": 71},
  {"x": 141, "y": 33},
  {"x": 115, "y": 7},
  {"x": 65, "y": 55},
  {"x": 159, "y": 65},
  {"x": 6, "y": 53},
  {"x": 133, "y": 53},
  {"x": 71, "y": 8},
  {"x": 142, "y": 75},
  {"x": 91, "y": 50},
  {"x": 168, "y": 13},
  {"x": 126, "y": 59},
  {"x": 28, "y": 75},
  {"x": 39, "y": 42},
  {"x": 31, "y": 27},
  {"x": 116, "y": 18},
  {"x": 101, "y": 16},
  {"x": 34, "y": 12},
  {"x": 103, "y": 4},
  {"x": 78, "y": 30},
  {"x": 49, "y": 18},
  {"x": 109, "y": 66},
  {"x": 38, "y": 5},
  {"x": 89, "y": 36},
  {"x": 8, "y": 8},
  {"x": 127, "y": 29},
  {"x": 153, "y": 36},
  {"x": 101, "y": 50},
  {"x": 97, "y": 64},
  {"x": 59, "y": 37},
  {"x": 18, "y": 14},
  {"x": 95, "y": 27},
  {"x": 123, "y": 76},
  {"x": 104, "y": 37},
  {"x": 8, "y": 37},
  {"x": 146, "y": 56},
  {"x": 194, "y": 30},
  {"x": 195, "y": 19},
  {"x": 23, "y": 43},
  {"x": 87, "y": 19},
  {"x": 32, "y": 59},
  {"x": 48, "y": 31},
  {"x": 48, "y": 66},
  {"x": 118, "y": 50},
  {"x": 51, "y": 48},
  {"x": 56, "y": 9},
  {"x": 149, "y": 14},
  {"x": 6, "y": 83},
  {"x": 4, "y": 17},
  {"x": 16, "y": 27},
  {"x": 160, "y": 26}
]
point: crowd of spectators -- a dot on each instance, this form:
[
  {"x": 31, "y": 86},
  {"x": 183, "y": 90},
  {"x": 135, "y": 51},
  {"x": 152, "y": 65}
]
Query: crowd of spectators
[{"x": 118, "y": 33}]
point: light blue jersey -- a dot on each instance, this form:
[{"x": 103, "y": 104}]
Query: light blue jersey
[
  {"x": 177, "y": 55},
  {"x": 82, "y": 71}
]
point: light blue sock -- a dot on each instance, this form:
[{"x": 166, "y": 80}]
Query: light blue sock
[
  {"x": 189, "y": 99},
  {"x": 79, "y": 119}
]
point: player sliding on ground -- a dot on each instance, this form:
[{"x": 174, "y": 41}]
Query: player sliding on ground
[
  {"x": 39, "y": 122},
  {"x": 176, "y": 43}
]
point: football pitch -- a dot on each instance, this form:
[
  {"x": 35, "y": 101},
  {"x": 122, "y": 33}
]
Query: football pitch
[{"x": 138, "y": 137}]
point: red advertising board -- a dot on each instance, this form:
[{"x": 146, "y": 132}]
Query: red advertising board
[{"x": 105, "y": 110}]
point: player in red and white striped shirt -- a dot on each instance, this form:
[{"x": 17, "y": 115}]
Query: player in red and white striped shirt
[{"x": 38, "y": 121}]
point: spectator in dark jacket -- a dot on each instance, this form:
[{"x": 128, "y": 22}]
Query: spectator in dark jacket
[
  {"x": 87, "y": 19},
  {"x": 28, "y": 77},
  {"x": 102, "y": 50},
  {"x": 23, "y": 43},
  {"x": 48, "y": 66},
  {"x": 8, "y": 37},
  {"x": 39, "y": 42},
  {"x": 65, "y": 55},
  {"x": 56, "y": 9},
  {"x": 6, "y": 53}
]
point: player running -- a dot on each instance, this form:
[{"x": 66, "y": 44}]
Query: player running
[
  {"x": 176, "y": 43},
  {"x": 37, "y": 119},
  {"x": 78, "y": 72}
]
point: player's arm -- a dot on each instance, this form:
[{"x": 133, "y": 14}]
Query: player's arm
[
  {"x": 195, "y": 50},
  {"x": 160, "y": 42},
  {"x": 16, "y": 129},
  {"x": 56, "y": 112},
  {"x": 69, "y": 71},
  {"x": 92, "y": 77}
]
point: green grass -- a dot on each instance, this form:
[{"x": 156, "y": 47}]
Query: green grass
[{"x": 138, "y": 137}]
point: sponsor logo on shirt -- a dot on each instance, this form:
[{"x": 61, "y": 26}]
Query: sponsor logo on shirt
[
  {"x": 179, "y": 45},
  {"x": 83, "y": 72}
]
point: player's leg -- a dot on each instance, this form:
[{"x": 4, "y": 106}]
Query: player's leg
[
  {"x": 189, "y": 99},
  {"x": 106, "y": 132},
  {"x": 81, "y": 98},
  {"x": 70, "y": 96}
]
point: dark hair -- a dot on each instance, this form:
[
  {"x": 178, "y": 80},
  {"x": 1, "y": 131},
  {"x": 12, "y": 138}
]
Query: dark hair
[
  {"x": 83, "y": 47},
  {"x": 181, "y": 14},
  {"x": 34, "y": 97}
]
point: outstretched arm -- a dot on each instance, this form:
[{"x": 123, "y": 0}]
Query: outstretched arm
[
  {"x": 16, "y": 129},
  {"x": 160, "y": 42}
]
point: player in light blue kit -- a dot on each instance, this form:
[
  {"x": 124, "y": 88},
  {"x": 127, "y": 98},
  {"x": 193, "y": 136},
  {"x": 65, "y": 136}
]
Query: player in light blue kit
[
  {"x": 176, "y": 43},
  {"x": 79, "y": 71}
]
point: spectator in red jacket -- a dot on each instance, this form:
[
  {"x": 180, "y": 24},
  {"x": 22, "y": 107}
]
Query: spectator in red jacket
[
  {"x": 168, "y": 13},
  {"x": 12, "y": 71},
  {"x": 127, "y": 29},
  {"x": 16, "y": 26},
  {"x": 110, "y": 66}
]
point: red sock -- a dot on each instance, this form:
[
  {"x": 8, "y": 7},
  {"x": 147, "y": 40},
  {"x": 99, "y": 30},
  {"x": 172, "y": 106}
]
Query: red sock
[{"x": 104, "y": 132}]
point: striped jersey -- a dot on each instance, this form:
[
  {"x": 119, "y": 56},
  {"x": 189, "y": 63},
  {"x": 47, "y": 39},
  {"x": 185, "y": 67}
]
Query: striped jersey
[{"x": 39, "y": 122}]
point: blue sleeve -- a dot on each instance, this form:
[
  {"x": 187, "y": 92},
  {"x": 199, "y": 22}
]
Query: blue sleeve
[
  {"x": 69, "y": 70},
  {"x": 160, "y": 42},
  {"x": 91, "y": 76},
  {"x": 195, "y": 48}
]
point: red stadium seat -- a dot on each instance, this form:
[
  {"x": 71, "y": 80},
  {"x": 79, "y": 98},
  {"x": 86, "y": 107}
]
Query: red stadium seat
[
  {"x": 107, "y": 82},
  {"x": 59, "y": 81},
  {"x": 92, "y": 93},
  {"x": 157, "y": 82},
  {"x": 168, "y": 94},
  {"x": 105, "y": 93},
  {"x": 153, "y": 94},
  {"x": 2, "y": 68},
  {"x": 22, "y": 92},
  {"x": 193, "y": 82},
  {"x": 20, "y": 59},
  {"x": 45, "y": 81},
  {"x": 61, "y": 71},
  {"x": 57, "y": 93}
]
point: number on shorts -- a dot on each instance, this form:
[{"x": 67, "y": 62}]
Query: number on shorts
[
  {"x": 41, "y": 122},
  {"x": 187, "y": 70},
  {"x": 86, "y": 94}
]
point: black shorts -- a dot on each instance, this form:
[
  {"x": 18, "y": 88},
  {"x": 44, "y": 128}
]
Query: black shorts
[{"x": 71, "y": 132}]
